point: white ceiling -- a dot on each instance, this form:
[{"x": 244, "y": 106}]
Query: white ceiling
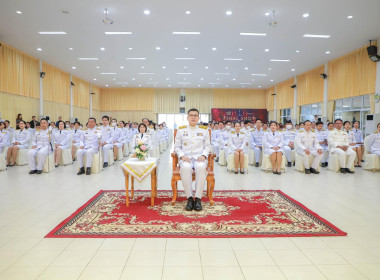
[{"x": 85, "y": 34}]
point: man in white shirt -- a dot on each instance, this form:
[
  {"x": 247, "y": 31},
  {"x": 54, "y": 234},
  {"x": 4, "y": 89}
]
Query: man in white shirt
[
  {"x": 192, "y": 145},
  {"x": 107, "y": 139}
]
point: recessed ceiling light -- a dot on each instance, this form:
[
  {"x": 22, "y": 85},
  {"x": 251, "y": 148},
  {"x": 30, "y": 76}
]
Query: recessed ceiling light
[
  {"x": 135, "y": 58},
  {"x": 123, "y": 85},
  {"x": 242, "y": 86},
  {"x": 102, "y": 49},
  {"x": 245, "y": 83},
  {"x": 118, "y": 33},
  {"x": 133, "y": 79},
  {"x": 108, "y": 73},
  {"x": 130, "y": 49},
  {"x": 350, "y": 17},
  {"x": 188, "y": 12},
  {"x": 107, "y": 85},
  {"x": 146, "y": 73},
  {"x": 214, "y": 49},
  {"x": 97, "y": 67},
  {"x": 94, "y": 79},
  {"x": 245, "y": 68},
  {"x": 261, "y": 75},
  {"x": 316, "y": 36},
  {"x": 206, "y": 67},
  {"x": 185, "y": 67},
  {"x": 52, "y": 33},
  {"x": 163, "y": 67},
  {"x": 226, "y": 85},
  {"x": 271, "y": 80},
  {"x": 267, "y": 14},
  {"x": 88, "y": 58},
  {"x": 139, "y": 85},
  {"x": 226, "y": 68},
  {"x": 218, "y": 79},
  {"x": 252, "y": 34},
  {"x": 228, "y": 13},
  {"x": 158, "y": 48},
  {"x": 222, "y": 73},
  {"x": 253, "y": 80},
  {"x": 269, "y": 69},
  {"x": 233, "y": 59},
  {"x": 114, "y": 79},
  {"x": 19, "y": 12},
  {"x": 266, "y": 50},
  {"x": 234, "y": 79},
  {"x": 240, "y": 49},
  {"x": 293, "y": 69},
  {"x": 214, "y": 83},
  {"x": 184, "y": 58},
  {"x": 259, "y": 86},
  {"x": 121, "y": 67},
  {"x": 146, "y": 12},
  {"x": 297, "y": 51},
  {"x": 169, "y": 85},
  {"x": 74, "y": 67},
  {"x": 184, "y": 73},
  {"x": 167, "y": 79},
  {"x": 199, "y": 85},
  {"x": 201, "y": 79},
  {"x": 154, "y": 85},
  {"x": 186, "y": 33},
  {"x": 142, "y": 67},
  {"x": 39, "y": 49},
  {"x": 305, "y": 15},
  {"x": 186, "y": 49},
  {"x": 280, "y": 60},
  {"x": 327, "y": 52},
  {"x": 70, "y": 49}
]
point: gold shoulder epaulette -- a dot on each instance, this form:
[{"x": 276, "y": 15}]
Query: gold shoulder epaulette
[
  {"x": 375, "y": 132},
  {"x": 184, "y": 126},
  {"x": 300, "y": 131},
  {"x": 323, "y": 129},
  {"x": 38, "y": 129},
  {"x": 313, "y": 130},
  {"x": 98, "y": 128},
  {"x": 83, "y": 129},
  {"x": 242, "y": 132},
  {"x": 233, "y": 132},
  {"x": 203, "y": 127}
]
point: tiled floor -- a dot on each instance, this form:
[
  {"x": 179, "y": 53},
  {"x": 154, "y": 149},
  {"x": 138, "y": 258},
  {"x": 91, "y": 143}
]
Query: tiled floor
[{"x": 31, "y": 205}]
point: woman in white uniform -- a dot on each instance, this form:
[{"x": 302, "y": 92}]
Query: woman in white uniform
[
  {"x": 374, "y": 142},
  {"x": 21, "y": 141},
  {"x": 141, "y": 136},
  {"x": 62, "y": 139},
  {"x": 76, "y": 134},
  {"x": 359, "y": 142},
  {"x": 237, "y": 144},
  {"x": 351, "y": 139},
  {"x": 272, "y": 144}
]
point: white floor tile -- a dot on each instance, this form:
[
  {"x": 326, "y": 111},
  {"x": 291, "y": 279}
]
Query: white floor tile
[
  {"x": 239, "y": 244},
  {"x": 218, "y": 258},
  {"x": 150, "y": 244},
  {"x": 262, "y": 273},
  {"x": 182, "y": 258},
  {"x": 339, "y": 272},
  {"x": 141, "y": 273},
  {"x": 17, "y": 273},
  {"x": 101, "y": 273},
  {"x": 302, "y": 272},
  {"x": 73, "y": 259},
  {"x": 146, "y": 258},
  {"x": 254, "y": 257},
  {"x": 219, "y": 244},
  {"x": 323, "y": 256},
  {"x": 61, "y": 273},
  {"x": 289, "y": 257},
  {"x": 109, "y": 259},
  {"x": 183, "y": 273},
  {"x": 35, "y": 258},
  {"x": 182, "y": 244},
  {"x": 222, "y": 273}
]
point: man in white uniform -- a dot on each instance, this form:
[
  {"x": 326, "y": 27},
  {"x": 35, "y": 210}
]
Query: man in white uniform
[
  {"x": 322, "y": 136},
  {"x": 289, "y": 135},
  {"x": 192, "y": 145},
  {"x": 256, "y": 141},
  {"x": 89, "y": 145},
  {"x": 307, "y": 144},
  {"x": 107, "y": 139},
  {"x": 338, "y": 141},
  {"x": 42, "y": 145}
]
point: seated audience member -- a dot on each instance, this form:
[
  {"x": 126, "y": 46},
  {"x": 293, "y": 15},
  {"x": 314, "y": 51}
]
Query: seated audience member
[
  {"x": 322, "y": 136},
  {"x": 225, "y": 138},
  {"x": 21, "y": 141},
  {"x": 359, "y": 143},
  {"x": 117, "y": 136},
  {"x": 215, "y": 139},
  {"x": 107, "y": 141},
  {"x": 265, "y": 127},
  {"x": 143, "y": 136},
  {"x": 307, "y": 144},
  {"x": 374, "y": 142},
  {"x": 4, "y": 138},
  {"x": 89, "y": 145},
  {"x": 338, "y": 140},
  {"x": 289, "y": 134},
  {"x": 273, "y": 143},
  {"x": 237, "y": 146},
  {"x": 256, "y": 141},
  {"x": 42, "y": 146},
  {"x": 351, "y": 139},
  {"x": 62, "y": 138},
  {"x": 76, "y": 138}
]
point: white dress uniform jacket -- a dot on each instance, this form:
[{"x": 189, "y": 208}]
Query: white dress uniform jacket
[
  {"x": 358, "y": 137},
  {"x": 340, "y": 138},
  {"x": 193, "y": 142},
  {"x": 288, "y": 135},
  {"x": 3, "y": 140},
  {"x": 146, "y": 138},
  {"x": 374, "y": 143},
  {"x": 107, "y": 138},
  {"x": 117, "y": 135},
  {"x": 22, "y": 136},
  {"x": 76, "y": 135},
  {"x": 90, "y": 138},
  {"x": 237, "y": 141},
  {"x": 308, "y": 140},
  {"x": 62, "y": 137},
  {"x": 256, "y": 139},
  {"x": 272, "y": 140},
  {"x": 44, "y": 142}
]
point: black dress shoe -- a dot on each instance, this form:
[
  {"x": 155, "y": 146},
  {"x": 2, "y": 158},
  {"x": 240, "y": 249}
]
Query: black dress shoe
[
  {"x": 217, "y": 159},
  {"x": 326, "y": 164},
  {"x": 323, "y": 164},
  {"x": 257, "y": 164},
  {"x": 105, "y": 165},
  {"x": 289, "y": 164},
  {"x": 307, "y": 171},
  {"x": 32, "y": 171},
  {"x": 343, "y": 170},
  {"x": 241, "y": 172},
  {"x": 39, "y": 171},
  {"x": 348, "y": 170},
  {"x": 190, "y": 204},
  {"x": 81, "y": 171},
  {"x": 88, "y": 171},
  {"x": 198, "y": 204},
  {"x": 312, "y": 170},
  {"x": 56, "y": 166},
  {"x": 274, "y": 172},
  {"x": 236, "y": 172},
  {"x": 294, "y": 163},
  {"x": 278, "y": 172}
]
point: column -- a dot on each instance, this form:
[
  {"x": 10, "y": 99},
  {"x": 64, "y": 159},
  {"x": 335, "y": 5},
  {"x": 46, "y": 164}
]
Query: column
[
  {"x": 41, "y": 104},
  {"x": 71, "y": 98},
  {"x": 275, "y": 103},
  {"x": 325, "y": 93},
  {"x": 377, "y": 86},
  {"x": 294, "y": 113},
  {"x": 91, "y": 100}
]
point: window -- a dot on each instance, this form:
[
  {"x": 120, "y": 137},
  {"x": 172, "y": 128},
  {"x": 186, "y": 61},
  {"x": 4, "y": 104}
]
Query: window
[
  {"x": 285, "y": 114},
  {"x": 309, "y": 111}
]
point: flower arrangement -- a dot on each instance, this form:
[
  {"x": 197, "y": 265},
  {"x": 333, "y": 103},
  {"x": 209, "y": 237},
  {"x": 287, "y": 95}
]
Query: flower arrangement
[{"x": 141, "y": 150}]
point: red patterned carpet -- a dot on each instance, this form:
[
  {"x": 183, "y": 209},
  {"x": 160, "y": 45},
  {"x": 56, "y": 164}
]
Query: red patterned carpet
[{"x": 235, "y": 214}]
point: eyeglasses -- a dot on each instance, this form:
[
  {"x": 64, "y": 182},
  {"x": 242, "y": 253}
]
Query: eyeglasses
[{"x": 193, "y": 116}]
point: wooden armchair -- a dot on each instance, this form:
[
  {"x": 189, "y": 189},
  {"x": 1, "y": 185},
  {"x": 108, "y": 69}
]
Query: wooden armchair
[{"x": 209, "y": 178}]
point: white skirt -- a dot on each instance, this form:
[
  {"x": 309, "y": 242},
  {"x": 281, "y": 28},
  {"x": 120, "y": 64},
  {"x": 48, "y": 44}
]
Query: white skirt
[
  {"x": 21, "y": 147},
  {"x": 271, "y": 151}
]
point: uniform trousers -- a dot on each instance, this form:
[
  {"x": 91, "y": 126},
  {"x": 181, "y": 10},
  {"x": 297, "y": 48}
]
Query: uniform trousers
[
  {"x": 287, "y": 152},
  {"x": 88, "y": 152},
  {"x": 216, "y": 149},
  {"x": 257, "y": 153},
  {"x": 225, "y": 149},
  {"x": 106, "y": 149},
  {"x": 346, "y": 158},
  {"x": 376, "y": 153},
  {"x": 40, "y": 154},
  {"x": 316, "y": 158},
  {"x": 119, "y": 145},
  {"x": 186, "y": 171}
]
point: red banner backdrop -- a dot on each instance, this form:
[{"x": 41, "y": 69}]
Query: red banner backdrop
[{"x": 219, "y": 114}]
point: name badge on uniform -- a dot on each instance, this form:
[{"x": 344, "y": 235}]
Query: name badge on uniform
[
  {"x": 199, "y": 134},
  {"x": 185, "y": 134},
  {"x": 94, "y": 132}
]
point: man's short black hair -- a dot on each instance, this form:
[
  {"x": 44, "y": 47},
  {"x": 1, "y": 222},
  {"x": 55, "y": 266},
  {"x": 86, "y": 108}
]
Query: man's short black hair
[
  {"x": 92, "y": 118},
  {"x": 193, "y": 110},
  {"x": 76, "y": 122},
  {"x": 288, "y": 121},
  {"x": 318, "y": 123},
  {"x": 307, "y": 121},
  {"x": 105, "y": 117},
  {"x": 338, "y": 120}
]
